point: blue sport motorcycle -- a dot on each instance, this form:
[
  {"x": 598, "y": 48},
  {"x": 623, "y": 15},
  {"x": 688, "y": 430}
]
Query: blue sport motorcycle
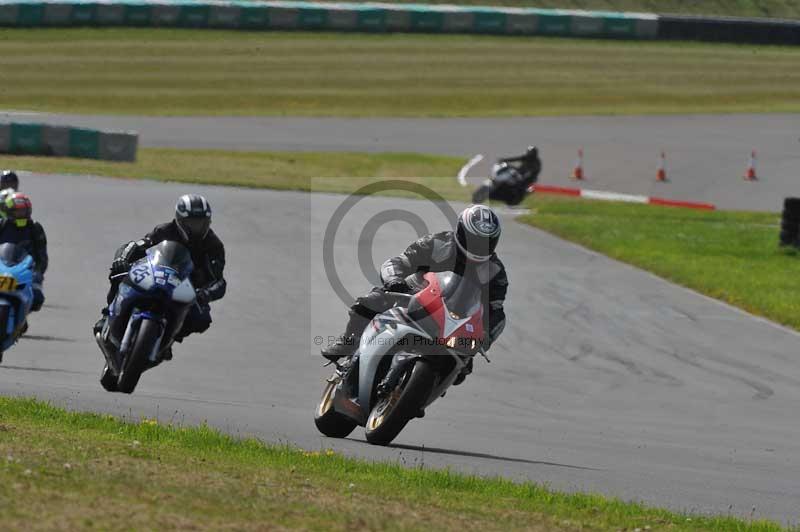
[
  {"x": 16, "y": 293},
  {"x": 149, "y": 309}
]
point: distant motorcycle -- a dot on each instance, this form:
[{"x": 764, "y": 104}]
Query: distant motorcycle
[
  {"x": 148, "y": 311},
  {"x": 511, "y": 179},
  {"x": 16, "y": 293},
  {"x": 407, "y": 358}
]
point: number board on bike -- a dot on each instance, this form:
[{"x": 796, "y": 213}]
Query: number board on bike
[{"x": 7, "y": 283}]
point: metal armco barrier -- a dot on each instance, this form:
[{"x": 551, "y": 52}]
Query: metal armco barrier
[
  {"x": 332, "y": 17},
  {"x": 65, "y": 141}
]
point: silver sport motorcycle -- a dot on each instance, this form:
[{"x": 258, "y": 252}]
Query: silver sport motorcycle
[{"x": 407, "y": 358}]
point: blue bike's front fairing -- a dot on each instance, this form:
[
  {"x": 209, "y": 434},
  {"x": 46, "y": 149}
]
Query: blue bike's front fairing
[
  {"x": 16, "y": 287},
  {"x": 164, "y": 271},
  {"x": 158, "y": 285}
]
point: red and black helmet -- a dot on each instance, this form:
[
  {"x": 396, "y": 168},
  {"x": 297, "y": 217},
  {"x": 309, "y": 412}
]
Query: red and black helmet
[
  {"x": 18, "y": 208},
  {"x": 478, "y": 232}
]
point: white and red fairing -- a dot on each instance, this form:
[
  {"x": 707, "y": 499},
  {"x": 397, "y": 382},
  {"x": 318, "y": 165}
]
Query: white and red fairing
[
  {"x": 451, "y": 323},
  {"x": 443, "y": 318}
]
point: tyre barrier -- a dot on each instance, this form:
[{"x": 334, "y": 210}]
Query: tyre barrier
[
  {"x": 381, "y": 18},
  {"x": 65, "y": 141},
  {"x": 378, "y": 18},
  {"x": 729, "y": 29},
  {"x": 790, "y": 223}
]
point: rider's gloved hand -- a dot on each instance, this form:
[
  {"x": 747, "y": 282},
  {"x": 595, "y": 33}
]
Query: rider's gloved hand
[
  {"x": 120, "y": 265},
  {"x": 124, "y": 258},
  {"x": 201, "y": 296},
  {"x": 397, "y": 285}
]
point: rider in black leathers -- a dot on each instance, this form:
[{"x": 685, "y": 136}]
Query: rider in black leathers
[
  {"x": 191, "y": 228},
  {"x": 17, "y": 226},
  {"x": 513, "y": 176},
  {"x": 470, "y": 246}
]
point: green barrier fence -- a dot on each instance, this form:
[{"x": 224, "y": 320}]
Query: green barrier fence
[
  {"x": 335, "y": 17},
  {"x": 65, "y": 141},
  {"x": 293, "y": 15}
]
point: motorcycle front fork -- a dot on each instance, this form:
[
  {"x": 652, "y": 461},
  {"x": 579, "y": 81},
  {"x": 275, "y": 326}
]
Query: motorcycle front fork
[
  {"x": 395, "y": 373},
  {"x": 347, "y": 374}
]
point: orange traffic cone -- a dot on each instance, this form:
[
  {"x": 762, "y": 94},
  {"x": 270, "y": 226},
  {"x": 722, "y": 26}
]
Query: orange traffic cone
[
  {"x": 661, "y": 174},
  {"x": 750, "y": 174},
  {"x": 577, "y": 172}
]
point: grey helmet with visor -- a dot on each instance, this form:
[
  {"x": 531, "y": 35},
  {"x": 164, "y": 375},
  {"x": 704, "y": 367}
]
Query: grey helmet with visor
[
  {"x": 477, "y": 232},
  {"x": 193, "y": 217}
]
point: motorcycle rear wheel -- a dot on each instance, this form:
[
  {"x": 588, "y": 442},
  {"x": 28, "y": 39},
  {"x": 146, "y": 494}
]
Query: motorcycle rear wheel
[
  {"x": 481, "y": 193},
  {"x": 136, "y": 363},
  {"x": 328, "y": 421},
  {"x": 391, "y": 414}
]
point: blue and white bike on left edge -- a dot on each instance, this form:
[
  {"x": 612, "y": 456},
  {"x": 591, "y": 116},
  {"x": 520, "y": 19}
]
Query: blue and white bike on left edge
[{"x": 16, "y": 293}]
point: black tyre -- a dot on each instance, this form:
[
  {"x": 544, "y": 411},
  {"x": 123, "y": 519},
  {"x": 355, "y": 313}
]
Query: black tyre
[
  {"x": 391, "y": 414},
  {"x": 108, "y": 380},
  {"x": 3, "y": 328},
  {"x": 790, "y": 222},
  {"x": 328, "y": 421},
  {"x": 481, "y": 194},
  {"x": 136, "y": 362}
]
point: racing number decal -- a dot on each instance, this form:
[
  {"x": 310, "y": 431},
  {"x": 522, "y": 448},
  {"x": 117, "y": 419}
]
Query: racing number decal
[
  {"x": 7, "y": 283},
  {"x": 139, "y": 273}
]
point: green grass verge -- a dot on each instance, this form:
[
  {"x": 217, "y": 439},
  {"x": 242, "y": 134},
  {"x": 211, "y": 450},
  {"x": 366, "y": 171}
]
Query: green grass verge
[
  {"x": 306, "y": 171},
  {"x": 205, "y": 72},
  {"x": 732, "y": 256},
  {"x": 72, "y": 471},
  {"x": 731, "y": 8}
]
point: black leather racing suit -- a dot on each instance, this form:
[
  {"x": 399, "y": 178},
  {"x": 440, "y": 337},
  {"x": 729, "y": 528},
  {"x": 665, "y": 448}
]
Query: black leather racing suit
[
  {"x": 33, "y": 239},
  {"x": 528, "y": 167},
  {"x": 208, "y": 256},
  {"x": 436, "y": 253}
]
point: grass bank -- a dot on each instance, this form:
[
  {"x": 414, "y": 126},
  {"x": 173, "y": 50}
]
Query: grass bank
[
  {"x": 186, "y": 72},
  {"x": 730, "y": 8},
  {"x": 74, "y": 471},
  {"x": 307, "y": 171}
]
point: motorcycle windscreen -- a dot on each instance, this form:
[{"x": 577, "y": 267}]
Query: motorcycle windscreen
[
  {"x": 12, "y": 254},
  {"x": 461, "y": 295},
  {"x": 173, "y": 255}
]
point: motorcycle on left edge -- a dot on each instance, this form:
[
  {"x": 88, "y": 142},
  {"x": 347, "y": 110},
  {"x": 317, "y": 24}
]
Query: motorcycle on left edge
[
  {"x": 149, "y": 309},
  {"x": 16, "y": 293}
]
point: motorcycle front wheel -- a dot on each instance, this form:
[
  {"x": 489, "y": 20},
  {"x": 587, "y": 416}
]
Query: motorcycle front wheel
[
  {"x": 136, "y": 362},
  {"x": 108, "y": 380},
  {"x": 392, "y": 413},
  {"x": 481, "y": 193},
  {"x": 328, "y": 421},
  {"x": 4, "y": 317}
]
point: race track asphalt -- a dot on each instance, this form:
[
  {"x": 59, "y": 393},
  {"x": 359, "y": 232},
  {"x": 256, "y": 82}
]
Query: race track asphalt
[
  {"x": 706, "y": 155},
  {"x": 607, "y": 378}
]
